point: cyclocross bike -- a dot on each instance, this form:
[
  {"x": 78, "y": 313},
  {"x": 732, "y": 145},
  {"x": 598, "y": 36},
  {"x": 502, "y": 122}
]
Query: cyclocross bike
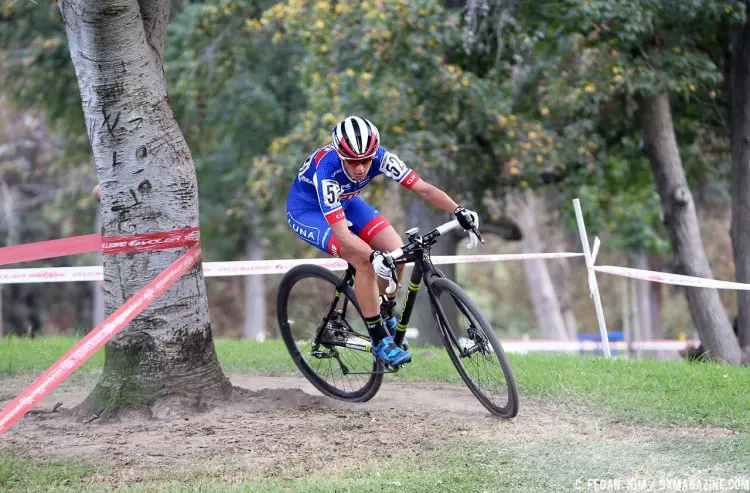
[{"x": 324, "y": 330}]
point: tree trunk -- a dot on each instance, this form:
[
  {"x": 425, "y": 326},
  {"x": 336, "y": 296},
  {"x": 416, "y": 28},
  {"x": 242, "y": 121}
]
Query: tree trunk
[
  {"x": 419, "y": 214},
  {"x": 642, "y": 299},
  {"x": 97, "y": 299},
  {"x": 627, "y": 326},
  {"x": 635, "y": 326},
  {"x": 740, "y": 135},
  {"x": 8, "y": 201},
  {"x": 656, "y": 262},
  {"x": 255, "y": 293},
  {"x": 164, "y": 362},
  {"x": 569, "y": 316},
  {"x": 539, "y": 282},
  {"x": 681, "y": 222}
]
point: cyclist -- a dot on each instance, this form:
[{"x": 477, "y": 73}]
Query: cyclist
[{"x": 324, "y": 210}]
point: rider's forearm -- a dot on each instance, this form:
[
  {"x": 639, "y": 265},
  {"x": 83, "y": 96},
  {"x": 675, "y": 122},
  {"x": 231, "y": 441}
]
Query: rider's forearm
[{"x": 436, "y": 197}]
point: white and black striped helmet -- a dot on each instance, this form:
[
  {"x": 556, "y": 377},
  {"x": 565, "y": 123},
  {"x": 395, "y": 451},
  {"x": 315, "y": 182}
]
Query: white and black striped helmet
[{"x": 356, "y": 138}]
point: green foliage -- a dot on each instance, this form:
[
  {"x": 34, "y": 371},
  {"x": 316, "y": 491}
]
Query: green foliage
[
  {"x": 581, "y": 64},
  {"x": 477, "y": 98},
  {"x": 232, "y": 93},
  {"x": 398, "y": 65},
  {"x": 35, "y": 65}
]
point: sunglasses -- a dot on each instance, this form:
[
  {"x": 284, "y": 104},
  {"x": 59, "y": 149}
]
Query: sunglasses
[{"x": 358, "y": 161}]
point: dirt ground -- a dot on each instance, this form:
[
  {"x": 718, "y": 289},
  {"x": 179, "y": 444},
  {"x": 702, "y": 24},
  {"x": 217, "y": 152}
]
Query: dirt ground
[{"x": 282, "y": 427}]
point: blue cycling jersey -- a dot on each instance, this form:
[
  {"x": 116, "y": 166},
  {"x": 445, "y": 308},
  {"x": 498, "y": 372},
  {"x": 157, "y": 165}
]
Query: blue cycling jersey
[{"x": 323, "y": 183}]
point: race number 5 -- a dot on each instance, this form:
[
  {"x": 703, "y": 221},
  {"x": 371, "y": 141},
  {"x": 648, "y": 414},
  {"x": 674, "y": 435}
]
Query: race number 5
[
  {"x": 331, "y": 192},
  {"x": 392, "y": 166}
]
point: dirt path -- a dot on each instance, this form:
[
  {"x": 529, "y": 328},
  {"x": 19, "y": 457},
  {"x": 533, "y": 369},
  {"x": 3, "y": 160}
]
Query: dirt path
[{"x": 282, "y": 427}]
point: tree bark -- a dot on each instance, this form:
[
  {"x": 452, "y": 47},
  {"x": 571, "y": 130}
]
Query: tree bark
[
  {"x": 8, "y": 201},
  {"x": 569, "y": 316},
  {"x": 255, "y": 294},
  {"x": 740, "y": 136},
  {"x": 656, "y": 262},
  {"x": 164, "y": 362},
  {"x": 642, "y": 299},
  {"x": 681, "y": 221},
  {"x": 539, "y": 282},
  {"x": 97, "y": 298},
  {"x": 627, "y": 326}
]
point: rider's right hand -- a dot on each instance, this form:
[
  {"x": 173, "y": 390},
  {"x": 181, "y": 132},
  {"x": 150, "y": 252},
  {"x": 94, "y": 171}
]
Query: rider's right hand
[{"x": 383, "y": 264}]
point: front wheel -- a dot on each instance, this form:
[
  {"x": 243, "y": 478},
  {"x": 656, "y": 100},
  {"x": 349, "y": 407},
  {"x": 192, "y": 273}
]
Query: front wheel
[{"x": 475, "y": 350}]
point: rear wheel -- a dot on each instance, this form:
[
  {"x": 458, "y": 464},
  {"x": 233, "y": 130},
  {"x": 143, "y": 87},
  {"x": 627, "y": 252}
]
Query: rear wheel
[
  {"x": 305, "y": 298},
  {"x": 475, "y": 350}
]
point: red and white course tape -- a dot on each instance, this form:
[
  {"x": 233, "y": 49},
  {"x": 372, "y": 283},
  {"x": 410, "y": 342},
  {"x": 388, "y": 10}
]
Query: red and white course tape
[
  {"x": 96, "y": 339},
  {"x": 49, "y": 249},
  {"x": 90, "y": 243},
  {"x": 245, "y": 268}
]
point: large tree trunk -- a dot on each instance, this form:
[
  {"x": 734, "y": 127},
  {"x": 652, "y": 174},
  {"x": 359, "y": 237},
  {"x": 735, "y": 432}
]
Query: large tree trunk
[
  {"x": 681, "y": 221},
  {"x": 255, "y": 293},
  {"x": 627, "y": 325},
  {"x": 656, "y": 262},
  {"x": 740, "y": 135},
  {"x": 164, "y": 362},
  {"x": 419, "y": 214},
  {"x": 8, "y": 201},
  {"x": 569, "y": 316},
  {"x": 539, "y": 282}
]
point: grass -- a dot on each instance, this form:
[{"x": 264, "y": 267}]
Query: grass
[
  {"x": 461, "y": 468},
  {"x": 529, "y": 466},
  {"x": 18, "y": 471},
  {"x": 658, "y": 392},
  {"x": 655, "y": 392}
]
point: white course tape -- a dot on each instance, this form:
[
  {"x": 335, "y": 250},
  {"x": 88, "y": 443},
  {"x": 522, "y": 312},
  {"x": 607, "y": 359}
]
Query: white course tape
[
  {"x": 51, "y": 274},
  {"x": 246, "y": 268},
  {"x": 667, "y": 278},
  {"x": 544, "y": 345}
]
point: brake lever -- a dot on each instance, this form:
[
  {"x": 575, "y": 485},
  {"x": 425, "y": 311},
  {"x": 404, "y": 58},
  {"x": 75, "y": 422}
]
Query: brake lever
[
  {"x": 479, "y": 235},
  {"x": 393, "y": 283}
]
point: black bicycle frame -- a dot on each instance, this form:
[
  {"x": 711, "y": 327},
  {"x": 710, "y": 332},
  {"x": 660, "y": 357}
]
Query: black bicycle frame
[{"x": 417, "y": 251}]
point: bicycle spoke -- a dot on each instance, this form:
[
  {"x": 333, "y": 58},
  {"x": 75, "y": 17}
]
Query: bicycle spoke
[
  {"x": 339, "y": 371},
  {"x": 474, "y": 354}
]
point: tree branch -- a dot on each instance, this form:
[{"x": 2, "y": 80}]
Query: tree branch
[
  {"x": 504, "y": 227},
  {"x": 155, "y": 15}
]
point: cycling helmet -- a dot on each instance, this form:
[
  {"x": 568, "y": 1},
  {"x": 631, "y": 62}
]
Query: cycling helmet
[{"x": 355, "y": 138}]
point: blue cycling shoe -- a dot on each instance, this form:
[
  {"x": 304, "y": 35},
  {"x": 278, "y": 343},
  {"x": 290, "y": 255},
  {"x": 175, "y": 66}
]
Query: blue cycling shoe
[
  {"x": 389, "y": 354},
  {"x": 391, "y": 324}
]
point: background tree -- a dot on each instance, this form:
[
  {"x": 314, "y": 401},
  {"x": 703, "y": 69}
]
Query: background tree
[
  {"x": 165, "y": 358},
  {"x": 740, "y": 134},
  {"x": 655, "y": 53}
]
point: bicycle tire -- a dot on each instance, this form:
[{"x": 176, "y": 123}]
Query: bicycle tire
[
  {"x": 451, "y": 339},
  {"x": 294, "y": 276}
]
